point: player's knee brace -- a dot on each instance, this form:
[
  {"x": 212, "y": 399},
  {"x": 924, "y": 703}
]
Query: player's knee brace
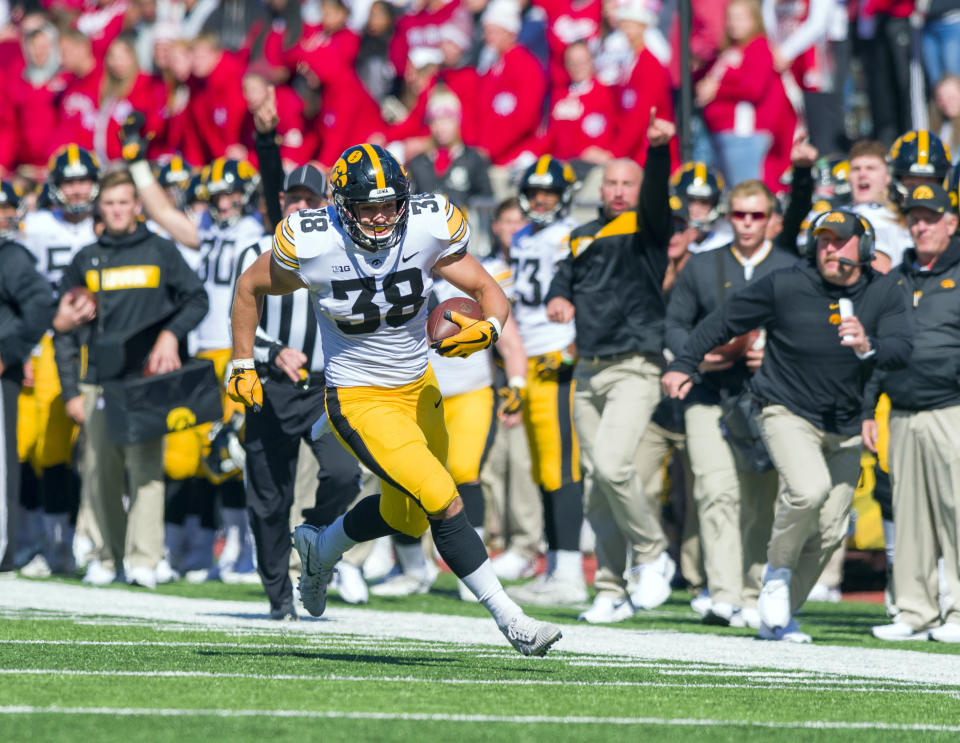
[{"x": 458, "y": 544}]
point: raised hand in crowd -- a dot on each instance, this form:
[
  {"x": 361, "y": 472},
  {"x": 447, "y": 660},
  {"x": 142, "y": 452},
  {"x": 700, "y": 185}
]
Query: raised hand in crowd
[
  {"x": 265, "y": 117},
  {"x": 660, "y": 131},
  {"x": 803, "y": 154}
]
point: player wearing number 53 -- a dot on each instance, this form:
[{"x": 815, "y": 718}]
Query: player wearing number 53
[
  {"x": 369, "y": 262},
  {"x": 810, "y": 389}
]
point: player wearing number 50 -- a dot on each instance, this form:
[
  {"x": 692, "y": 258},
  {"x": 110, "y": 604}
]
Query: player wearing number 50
[{"x": 369, "y": 261}]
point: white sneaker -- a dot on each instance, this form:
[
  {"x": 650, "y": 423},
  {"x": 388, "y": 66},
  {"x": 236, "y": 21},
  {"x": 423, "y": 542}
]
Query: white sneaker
[
  {"x": 530, "y": 636},
  {"x": 350, "y": 584},
  {"x": 510, "y": 565},
  {"x": 748, "y": 617},
  {"x": 649, "y": 583},
  {"x": 607, "y": 610},
  {"x": 406, "y": 584},
  {"x": 97, "y": 575},
  {"x": 898, "y": 631},
  {"x": 949, "y": 632},
  {"x": 142, "y": 576},
  {"x": 82, "y": 548},
  {"x": 720, "y": 614},
  {"x": 314, "y": 576},
  {"x": 38, "y": 567},
  {"x": 823, "y": 592},
  {"x": 197, "y": 576},
  {"x": 165, "y": 573},
  {"x": 774, "y": 600},
  {"x": 701, "y": 603},
  {"x": 790, "y": 633},
  {"x": 380, "y": 561},
  {"x": 551, "y": 590}
]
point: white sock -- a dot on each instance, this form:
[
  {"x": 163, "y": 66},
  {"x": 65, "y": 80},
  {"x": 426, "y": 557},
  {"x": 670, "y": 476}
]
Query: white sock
[
  {"x": 485, "y": 585},
  {"x": 411, "y": 558},
  {"x": 888, "y": 536},
  {"x": 333, "y": 542},
  {"x": 569, "y": 565}
]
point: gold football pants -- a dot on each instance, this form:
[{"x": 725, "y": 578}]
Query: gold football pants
[
  {"x": 399, "y": 435},
  {"x": 548, "y": 420}
]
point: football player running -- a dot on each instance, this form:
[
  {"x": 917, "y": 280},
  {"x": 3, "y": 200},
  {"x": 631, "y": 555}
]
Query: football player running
[
  {"x": 546, "y": 191},
  {"x": 370, "y": 260},
  {"x": 47, "y": 428}
]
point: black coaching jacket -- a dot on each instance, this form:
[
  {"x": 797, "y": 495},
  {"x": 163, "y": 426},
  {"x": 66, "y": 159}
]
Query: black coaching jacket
[
  {"x": 614, "y": 272},
  {"x": 26, "y": 307},
  {"x": 931, "y": 380},
  {"x": 143, "y": 286},
  {"x": 805, "y": 368}
]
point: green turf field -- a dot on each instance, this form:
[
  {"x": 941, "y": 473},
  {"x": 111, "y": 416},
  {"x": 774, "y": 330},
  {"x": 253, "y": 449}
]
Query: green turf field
[{"x": 202, "y": 663}]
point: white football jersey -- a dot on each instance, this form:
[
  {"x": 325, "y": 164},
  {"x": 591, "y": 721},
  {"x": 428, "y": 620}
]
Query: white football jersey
[
  {"x": 54, "y": 241},
  {"x": 219, "y": 249},
  {"x": 534, "y": 257},
  {"x": 892, "y": 237},
  {"x": 455, "y": 375},
  {"x": 371, "y": 307}
]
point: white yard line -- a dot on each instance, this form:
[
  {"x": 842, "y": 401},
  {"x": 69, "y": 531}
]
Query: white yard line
[
  {"x": 889, "y": 664},
  {"x": 508, "y": 719},
  {"x": 824, "y": 685}
]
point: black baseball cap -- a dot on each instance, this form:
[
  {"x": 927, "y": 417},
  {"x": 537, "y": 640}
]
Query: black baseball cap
[
  {"x": 929, "y": 195},
  {"x": 841, "y": 223},
  {"x": 308, "y": 177}
]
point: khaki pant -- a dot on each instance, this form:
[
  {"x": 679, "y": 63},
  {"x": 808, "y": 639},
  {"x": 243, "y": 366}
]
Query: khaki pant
[
  {"x": 925, "y": 474},
  {"x": 818, "y": 474},
  {"x": 657, "y": 447},
  {"x": 509, "y": 490},
  {"x": 136, "y": 535},
  {"x": 734, "y": 510},
  {"x": 612, "y": 406}
]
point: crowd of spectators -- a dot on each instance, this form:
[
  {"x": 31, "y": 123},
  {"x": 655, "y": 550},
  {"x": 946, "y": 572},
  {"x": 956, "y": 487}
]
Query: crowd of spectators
[{"x": 576, "y": 79}]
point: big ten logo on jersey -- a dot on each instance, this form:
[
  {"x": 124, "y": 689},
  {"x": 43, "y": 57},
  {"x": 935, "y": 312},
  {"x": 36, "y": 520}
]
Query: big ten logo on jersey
[
  {"x": 402, "y": 295},
  {"x": 527, "y": 286},
  {"x": 313, "y": 220},
  {"x": 216, "y": 260},
  {"x": 424, "y": 203}
]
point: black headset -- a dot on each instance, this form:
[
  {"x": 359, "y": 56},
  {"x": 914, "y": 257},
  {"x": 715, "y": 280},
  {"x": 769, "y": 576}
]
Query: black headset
[{"x": 868, "y": 236}]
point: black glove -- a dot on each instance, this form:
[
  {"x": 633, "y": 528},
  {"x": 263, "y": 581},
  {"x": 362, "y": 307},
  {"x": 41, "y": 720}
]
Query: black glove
[{"x": 132, "y": 138}]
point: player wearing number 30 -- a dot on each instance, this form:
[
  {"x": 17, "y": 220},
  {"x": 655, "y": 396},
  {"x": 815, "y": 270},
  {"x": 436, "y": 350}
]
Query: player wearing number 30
[{"x": 369, "y": 261}]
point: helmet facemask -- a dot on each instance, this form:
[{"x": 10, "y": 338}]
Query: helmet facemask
[{"x": 385, "y": 236}]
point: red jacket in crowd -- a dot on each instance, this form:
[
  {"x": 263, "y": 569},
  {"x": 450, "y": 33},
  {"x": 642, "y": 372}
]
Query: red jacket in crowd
[
  {"x": 892, "y": 8},
  {"x": 34, "y": 117},
  {"x": 299, "y": 137},
  {"x": 275, "y": 49},
  {"x": 78, "y": 106},
  {"x": 323, "y": 52},
  {"x": 648, "y": 87},
  {"x": 707, "y": 20},
  {"x": 507, "y": 106},
  {"x": 751, "y": 98},
  {"x": 423, "y": 29},
  {"x": 568, "y": 21},
  {"x": 215, "y": 112},
  {"x": 582, "y": 118},
  {"x": 348, "y": 114},
  {"x": 102, "y": 25},
  {"x": 112, "y": 113},
  {"x": 461, "y": 82}
]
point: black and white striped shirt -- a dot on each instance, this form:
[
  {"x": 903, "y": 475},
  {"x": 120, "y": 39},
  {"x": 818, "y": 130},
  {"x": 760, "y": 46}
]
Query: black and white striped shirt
[{"x": 286, "y": 320}]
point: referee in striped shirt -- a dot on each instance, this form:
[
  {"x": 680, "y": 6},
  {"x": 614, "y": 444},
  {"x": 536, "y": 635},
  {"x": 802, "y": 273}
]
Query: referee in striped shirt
[{"x": 289, "y": 362}]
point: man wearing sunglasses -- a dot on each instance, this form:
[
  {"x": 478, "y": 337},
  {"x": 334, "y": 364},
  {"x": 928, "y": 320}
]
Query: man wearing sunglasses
[
  {"x": 720, "y": 485},
  {"x": 830, "y": 322},
  {"x": 925, "y": 426}
]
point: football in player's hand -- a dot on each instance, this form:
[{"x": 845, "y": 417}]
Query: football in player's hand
[
  {"x": 439, "y": 327},
  {"x": 737, "y": 348}
]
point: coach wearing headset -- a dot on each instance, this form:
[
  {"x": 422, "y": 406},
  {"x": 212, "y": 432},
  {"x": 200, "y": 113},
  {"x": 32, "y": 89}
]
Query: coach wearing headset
[{"x": 830, "y": 322}]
